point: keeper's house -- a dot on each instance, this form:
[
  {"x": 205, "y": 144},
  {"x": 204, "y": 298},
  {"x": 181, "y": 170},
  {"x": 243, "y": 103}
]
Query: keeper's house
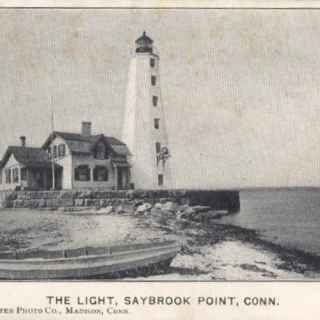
[{"x": 78, "y": 160}]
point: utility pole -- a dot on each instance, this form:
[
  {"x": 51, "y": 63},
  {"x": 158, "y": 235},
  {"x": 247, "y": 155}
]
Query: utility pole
[{"x": 52, "y": 154}]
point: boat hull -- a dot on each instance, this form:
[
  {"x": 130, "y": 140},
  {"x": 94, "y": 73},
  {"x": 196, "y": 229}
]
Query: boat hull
[{"x": 88, "y": 267}]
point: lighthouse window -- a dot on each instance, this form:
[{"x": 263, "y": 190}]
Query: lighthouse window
[
  {"x": 156, "y": 123},
  {"x": 160, "y": 179},
  {"x": 154, "y": 101},
  {"x": 158, "y": 147},
  {"x": 152, "y": 62},
  {"x": 153, "y": 80}
]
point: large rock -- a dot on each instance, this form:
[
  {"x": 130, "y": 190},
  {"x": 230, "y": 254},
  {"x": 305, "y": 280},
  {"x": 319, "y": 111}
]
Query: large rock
[
  {"x": 183, "y": 207},
  {"x": 160, "y": 219},
  {"x": 106, "y": 210},
  {"x": 202, "y": 217},
  {"x": 164, "y": 200},
  {"x": 158, "y": 206},
  {"x": 186, "y": 212},
  {"x": 120, "y": 209},
  {"x": 143, "y": 208},
  {"x": 156, "y": 211},
  {"x": 168, "y": 213},
  {"x": 189, "y": 211},
  {"x": 201, "y": 208},
  {"x": 169, "y": 206}
]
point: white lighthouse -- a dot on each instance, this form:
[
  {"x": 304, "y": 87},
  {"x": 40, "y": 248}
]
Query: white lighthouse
[{"x": 144, "y": 129}]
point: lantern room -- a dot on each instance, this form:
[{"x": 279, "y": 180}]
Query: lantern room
[{"x": 144, "y": 44}]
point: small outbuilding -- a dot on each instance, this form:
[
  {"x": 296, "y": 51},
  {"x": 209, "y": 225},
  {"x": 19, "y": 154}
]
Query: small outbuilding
[{"x": 25, "y": 167}]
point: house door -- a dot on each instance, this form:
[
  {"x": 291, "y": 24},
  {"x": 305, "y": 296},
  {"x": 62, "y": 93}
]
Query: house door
[
  {"x": 120, "y": 178},
  {"x": 58, "y": 178}
]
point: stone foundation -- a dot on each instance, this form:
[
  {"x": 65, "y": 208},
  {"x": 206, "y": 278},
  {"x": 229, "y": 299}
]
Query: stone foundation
[{"x": 216, "y": 199}]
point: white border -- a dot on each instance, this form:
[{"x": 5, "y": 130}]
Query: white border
[{"x": 261, "y": 4}]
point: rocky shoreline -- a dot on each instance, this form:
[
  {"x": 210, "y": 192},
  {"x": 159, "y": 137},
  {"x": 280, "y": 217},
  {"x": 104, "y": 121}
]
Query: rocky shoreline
[
  {"x": 198, "y": 228},
  {"x": 217, "y": 199},
  {"x": 210, "y": 250}
]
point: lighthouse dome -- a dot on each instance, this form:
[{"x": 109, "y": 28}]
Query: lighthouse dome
[{"x": 144, "y": 43}]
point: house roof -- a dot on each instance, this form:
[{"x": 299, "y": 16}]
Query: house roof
[
  {"x": 87, "y": 143},
  {"x": 27, "y": 156},
  {"x": 121, "y": 162}
]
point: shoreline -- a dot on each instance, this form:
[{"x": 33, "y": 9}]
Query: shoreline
[
  {"x": 294, "y": 259},
  {"x": 211, "y": 250},
  {"x": 293, "y": 264}
]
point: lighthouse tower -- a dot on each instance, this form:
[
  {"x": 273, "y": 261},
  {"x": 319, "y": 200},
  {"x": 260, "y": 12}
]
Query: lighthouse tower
[{"x": 144, "y": 129}]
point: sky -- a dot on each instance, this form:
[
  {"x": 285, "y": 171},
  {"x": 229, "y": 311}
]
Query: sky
[{"x": 240, "y": 88}]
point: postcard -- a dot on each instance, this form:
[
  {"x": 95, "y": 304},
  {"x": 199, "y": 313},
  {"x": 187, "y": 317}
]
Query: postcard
[{"x": 159, "y": 160}]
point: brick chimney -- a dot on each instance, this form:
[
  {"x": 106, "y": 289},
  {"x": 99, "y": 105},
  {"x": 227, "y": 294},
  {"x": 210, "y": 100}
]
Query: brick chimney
[
  {"x": 23, "y": 141},
  {"x": 86, "y": 128}
]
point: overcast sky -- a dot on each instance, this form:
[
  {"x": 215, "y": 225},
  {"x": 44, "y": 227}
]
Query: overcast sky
[{"x": 240, "y": 87}]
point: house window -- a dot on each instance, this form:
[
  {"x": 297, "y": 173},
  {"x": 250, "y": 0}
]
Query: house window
[
  {"x": 54, "y": 151},
  {"x": 23, "y": 174},
  {"x": 153, "y": 80},
  {"x": 100, "y": 173},
  {"x": 7, "y": 173},
  {"x": 15, "y": 175},
  {"x": 158, "y": 147},
  {"x": 152, "y": 62},
  {"x": 160, "y": 179},
  {"x": 61, "y": 150},
  {"x": 82, "y": 173},
  {"x": 101, "y": 151},
  {"x": 156, "y": 123},
  {"x": 155, "y": 101}
]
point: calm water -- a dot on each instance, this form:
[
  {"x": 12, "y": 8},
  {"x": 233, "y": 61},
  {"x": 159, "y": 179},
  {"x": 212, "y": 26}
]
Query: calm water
[{"x": 290, "y": 217}]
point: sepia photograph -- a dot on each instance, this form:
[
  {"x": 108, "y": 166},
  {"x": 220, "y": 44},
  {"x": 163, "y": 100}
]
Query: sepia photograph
[{"x": 159, "y": 144}]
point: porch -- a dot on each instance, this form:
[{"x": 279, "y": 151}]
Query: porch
[
  {"x": 121, "y": 176},
  {"x": 39, "y": 178}
]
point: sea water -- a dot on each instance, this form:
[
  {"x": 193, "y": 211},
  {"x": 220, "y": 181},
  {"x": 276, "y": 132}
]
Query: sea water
[{"x": 288, "y": 217}]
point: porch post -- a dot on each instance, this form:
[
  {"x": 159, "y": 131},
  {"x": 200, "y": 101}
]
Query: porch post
[
  {"x": 19, "y": 175},
  {"x": 116, "y": 177},
  {"x": 129, "y": 177}
]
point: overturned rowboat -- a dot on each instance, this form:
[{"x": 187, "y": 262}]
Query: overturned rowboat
[{"x": 88, "y": 262}]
